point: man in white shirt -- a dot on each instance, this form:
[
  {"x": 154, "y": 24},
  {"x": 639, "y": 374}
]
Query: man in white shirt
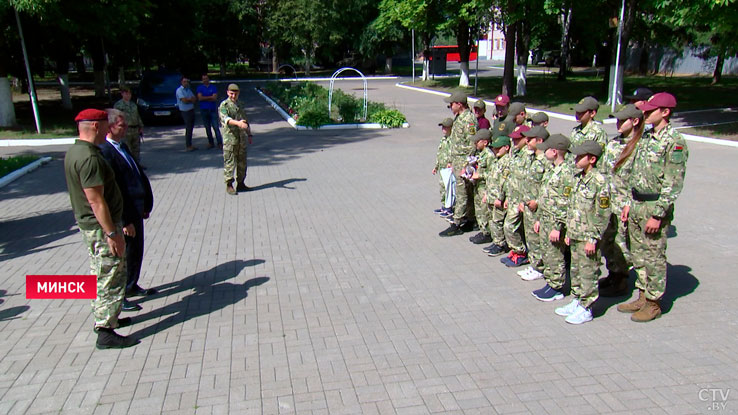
[{"x": 186, "y": 102}]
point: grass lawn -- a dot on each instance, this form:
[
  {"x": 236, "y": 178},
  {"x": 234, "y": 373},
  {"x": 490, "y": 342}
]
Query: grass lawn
[
  {"x": 10, "y": 164},
  {"x": 545, "y": 92}
]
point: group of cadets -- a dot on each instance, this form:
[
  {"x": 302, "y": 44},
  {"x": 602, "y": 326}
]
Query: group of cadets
[{"x": 555, "y": 202}]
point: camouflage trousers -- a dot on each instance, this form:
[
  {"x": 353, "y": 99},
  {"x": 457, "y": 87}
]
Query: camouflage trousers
[
  {"x": 554, "y": 261},
  {"x": 614, "y": 247},
  {"x": 133, "y": 141},
  {"x": 496, "y": 224},
  {"x": 585, "y": 272},
  {"x": 234, "y": 158},
  {"x": 532, "y": 239},
  {"x": 111, "y": 278},
  {"x": 648, "y": 251},
  {"x": 512, "y": 226},
  {"x": 481, "y": 209},
  {"x": 464, "y": 207}
]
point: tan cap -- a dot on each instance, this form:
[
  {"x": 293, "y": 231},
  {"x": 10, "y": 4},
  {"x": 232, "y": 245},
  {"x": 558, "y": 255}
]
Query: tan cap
[
  {"x": 480, "y": 104},
  {"x": 483, "y": 134},
  {"x": 233, "y": 87},
  {"x": 539, "y": 117},
  {"x": 587, "y": 104},
  {"x": 516, "y": 108},
  {"x": 457, "y": 96},
  {"x": 537, "y": 132}
]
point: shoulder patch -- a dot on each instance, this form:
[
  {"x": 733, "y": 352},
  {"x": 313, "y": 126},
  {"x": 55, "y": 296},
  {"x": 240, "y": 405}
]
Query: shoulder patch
[
  {"x": 604, "y": 202},
  {"x": 472, "y": 129}
]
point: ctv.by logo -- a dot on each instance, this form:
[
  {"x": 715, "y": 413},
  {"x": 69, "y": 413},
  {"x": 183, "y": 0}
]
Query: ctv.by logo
[{"x": 717, "y": 398}]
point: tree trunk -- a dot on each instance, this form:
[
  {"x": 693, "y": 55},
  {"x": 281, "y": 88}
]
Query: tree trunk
[
  {"x": 523, "y": 50},
  {"x": 629, "y": 19},
  {"x": 564, "y": 60},
  {"x": 388, "y": 65},
  {"x": 98, "y": 67},
  {"x": 508, "y": 75},
  {"x": 7, "y": 110},
  {"x": 717, "y": 75},
  {"x": 62, "y": 75},
  {"x": 275, "y": 60},
  {"x": 463, "y": 38},
  {"x": 426, "y": 56}
]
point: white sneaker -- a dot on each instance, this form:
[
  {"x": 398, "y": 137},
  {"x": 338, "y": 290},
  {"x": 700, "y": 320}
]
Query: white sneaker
[
  {"x": 525, "y": 271},
  {"x": 580, "y": 316},
  {"x": 568, "y": 309},
  {"x": 532, "y": 275}
]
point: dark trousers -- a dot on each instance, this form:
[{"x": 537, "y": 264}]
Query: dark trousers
[
  {"x": 134, "y": 255},
  {"x": 210, "y": 119},
  {"x": 189, "y": 120}
]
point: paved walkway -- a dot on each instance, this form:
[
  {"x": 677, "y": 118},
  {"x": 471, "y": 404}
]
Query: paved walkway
[{"x": 327, "y": 290}]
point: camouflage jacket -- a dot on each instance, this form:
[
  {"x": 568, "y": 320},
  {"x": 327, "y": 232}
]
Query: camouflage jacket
[
  {"x": 229, "y": 110},
  {"x": 610, "y": 154},
  {"x": 131, "y": 111},
  {"x": 461, "y": 146},
  {"x": 592, "y": 131},
  {"x": 618, "y": 196},
  {"x": 555, "y": 194},
  {"x": 496, "y": 179},
  {"x": 589, "y": 208},
  {"x": 518, "y": 170},
  {"x": 536, "y": 166},
  {"x": 485, "y": 161},
  {"x": 659, "y": 166},
  {"x": 442, "y": 154}
]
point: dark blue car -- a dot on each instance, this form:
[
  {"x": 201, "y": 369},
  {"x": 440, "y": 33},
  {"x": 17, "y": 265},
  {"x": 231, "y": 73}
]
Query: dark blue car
[{"x": 156, "y": 96}]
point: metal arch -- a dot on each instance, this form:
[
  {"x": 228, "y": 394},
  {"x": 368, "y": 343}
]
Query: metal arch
[
  {"x": 294, "y": 71},
  {"x": 330, "y": 90}
]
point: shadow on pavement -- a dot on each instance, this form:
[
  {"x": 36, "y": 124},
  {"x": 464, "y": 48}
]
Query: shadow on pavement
[
  {"x": 12, "y": 312},
  {"x": 282, "y": 184},
  {"x": 19, "y": 237},
  {"x": 210, "y": 293},
  {"x": 680, "y": 282}
]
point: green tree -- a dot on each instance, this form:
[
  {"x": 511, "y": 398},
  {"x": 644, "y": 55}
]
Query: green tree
[{"x": 467, "y": 19}]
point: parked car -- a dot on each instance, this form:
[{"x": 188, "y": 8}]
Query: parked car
[
  {"x": 551, "y": 58},
  {"x": 156, "y": 96}
]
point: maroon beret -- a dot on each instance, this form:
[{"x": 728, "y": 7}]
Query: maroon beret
[
  {"x": 660, "y": 100},
  {"x": 518, "y": 131},
  {"x": 91, "y": 114}
]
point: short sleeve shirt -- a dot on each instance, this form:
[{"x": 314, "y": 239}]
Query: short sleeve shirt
[
  {"x": 85, "y": 167},
  {"x": 183, "y": 92},
  {"x": 207, "y": 91}
]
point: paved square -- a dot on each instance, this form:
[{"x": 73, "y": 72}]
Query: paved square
[{"x": 326, "y": 290}]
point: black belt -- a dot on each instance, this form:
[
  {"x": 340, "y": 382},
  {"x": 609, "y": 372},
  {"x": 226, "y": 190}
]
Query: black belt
[{"x": 644, "y": 197}]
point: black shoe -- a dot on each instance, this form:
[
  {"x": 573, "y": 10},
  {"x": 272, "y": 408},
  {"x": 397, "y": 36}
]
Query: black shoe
[
  {"x": 124, "y": 322},
  {"x": 109, "y": 339},
  {"x": 242, "y": 187},
  {"x": 615, "y": 285},
  {"x": 468, "y": 226},
  {"x": 452, "y": 230},
  {"x": 495, "y": 250},
  {"x": 481, "y": 238},
  {"x": 140, "y": 292},
  {"x": 129, "y": 306}
]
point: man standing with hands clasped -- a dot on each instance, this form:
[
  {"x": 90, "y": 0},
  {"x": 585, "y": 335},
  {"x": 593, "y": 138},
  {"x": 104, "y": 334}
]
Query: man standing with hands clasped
[
  {"x": 98, "y": 207},
  {"x": 236, "y": 130},
  {"x": 207, "y": 94}
]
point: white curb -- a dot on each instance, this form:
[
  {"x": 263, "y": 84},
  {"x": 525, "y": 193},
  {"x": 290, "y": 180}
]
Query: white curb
[
  {"x": 9, "y": 178},
  {"x": 36, "y": 142}
]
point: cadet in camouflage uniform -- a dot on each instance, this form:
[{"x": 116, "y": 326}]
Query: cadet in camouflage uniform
[
  {"x": 514, "y": 193},
  {"x": 588, "y": 128},
  {"x": 614, "y": 245},
  {"x": 555, "y": 194},
  {"x": 485, "y": 162},
  {"x": 656, "y": 181},
  {"x": 236, "y": 133},
  {"x": 465, "y": 126},
  {"x": 539, "y": 118},
  {"x": 495, "y": 195},
  {"x": 442, "y": 159},
  {"x": 536, "y": 166},
  {"x": 98, "y": 209},
  {"x": 586, "y": 221},
  {"x": 135, "y": 124},
  {"x": 501, "y": 126}
]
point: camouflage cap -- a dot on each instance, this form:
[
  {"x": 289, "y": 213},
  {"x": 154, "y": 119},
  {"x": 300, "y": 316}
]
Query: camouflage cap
[
  {"x": 500, "y": 141},
  {"x": 447, "y": 122},
  {"x": 125, "y": 88},
  {"x": 516, "y": 108},
  {"x": 640, "y": 94},
  {"x": 233, "y": 87},
  {"x": 556, "y": 141},
  {"x": 539, "y": 117},
  {"x": 457, "y": 96},
  {"x": 483, "y": 134},
  {"x": 587, "y": 104},
  {"x": 518, "y": 131},
  {"x": 480, "y": 104},
  {"x": 587, "y": 147},
  {"x": 659, "y": 100},
  {"x": 538, "y": 132},
  {"x": 627, "y": 112}
]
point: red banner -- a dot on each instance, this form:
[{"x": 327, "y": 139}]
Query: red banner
[{"x": 61, "y": 287}]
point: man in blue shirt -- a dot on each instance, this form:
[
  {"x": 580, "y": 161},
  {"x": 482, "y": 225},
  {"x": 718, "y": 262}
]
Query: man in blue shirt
[
  {"x": 186, "y": 103},
  {"x": 208, "y": 96}
]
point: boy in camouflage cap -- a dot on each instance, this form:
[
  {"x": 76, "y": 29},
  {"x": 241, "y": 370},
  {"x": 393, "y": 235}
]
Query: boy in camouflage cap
[
  {"x": 514, "y": 202},
  {"x": 539, "y": 118},
  {"x": 555, "y": 193},
  {"x": 441, "y": 162},
  {"x": 494, "y": 195},
  {"x": 588, "y": 129},
  {"x": 485, "y": 161},
  {"x": 586, "y": 220}
]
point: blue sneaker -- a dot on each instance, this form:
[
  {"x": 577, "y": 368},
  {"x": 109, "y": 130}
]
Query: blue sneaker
[
  {"x": 439, "y": 210},
  {"x": 447, "y": 212},
  {"x": 548, "y": 294}
]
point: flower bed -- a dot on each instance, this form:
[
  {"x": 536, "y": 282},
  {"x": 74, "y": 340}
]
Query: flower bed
[{"x": 307, "y": 104}]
